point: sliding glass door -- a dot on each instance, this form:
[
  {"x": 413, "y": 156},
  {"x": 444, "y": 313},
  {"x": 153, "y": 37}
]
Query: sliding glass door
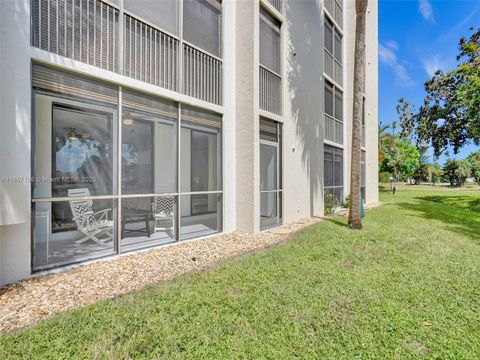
[
  {"x": 117, "y": 170},
  {"x": 270, "y": 175}
]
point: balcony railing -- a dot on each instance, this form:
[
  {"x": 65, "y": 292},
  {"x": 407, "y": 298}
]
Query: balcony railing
[
  {"x": 89, "y": 31},
  {"x": 334, "y": 8},
  {"x": 333, "y": 129},
  {"x": 202, "y": 75},
  {"x": 277, "y": 4},
  {"x": 270, "y": 91},
  {"x": 333, "y": 68},
  {"x": 149, "y": 54},
  {"x": 86, "y": 31}
]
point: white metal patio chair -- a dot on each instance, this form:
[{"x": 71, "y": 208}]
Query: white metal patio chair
[
  {"x": 163, "y": 214},
  {"x": 94, "y": 225}
]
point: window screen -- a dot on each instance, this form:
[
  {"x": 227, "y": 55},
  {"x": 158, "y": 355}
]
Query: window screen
[
  {"x": 333, "y": 166},
  {"x": 202, "y": 22},
  {"x": 269, "y": 42},
  {"x": 338, "y": 47},
  {"x": 328, "y": 99},
  {"x": 328, "y": 36},
  {"x": 328, "y": 166},
  {"x": 164, "y": 15},
  {"x": 338, "y": 105}
]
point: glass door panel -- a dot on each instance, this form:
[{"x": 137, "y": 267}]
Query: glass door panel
[{"x": 270, "y": 191}]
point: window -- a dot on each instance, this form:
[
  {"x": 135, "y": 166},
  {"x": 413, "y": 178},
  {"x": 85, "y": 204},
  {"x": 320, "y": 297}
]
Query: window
[
  {"x": 328, "y": 36},
  {"x": 200, "y": 206},
  {"x": 270, "y": 174},
  {"x": 338, "y": 47},
  {"x": 333, "y": 53},
  {"x": 333, "y": 113},
  {"x": 269, "y": 42},
  {"x": 333, "y": 175},
  {"x": 148, "y": 151},
  {"x": 109, "y": 183},
  {"x": 329, "y": 106},
  {"x": 74, "y": 157},
  {"x": 202, "y": 24}
]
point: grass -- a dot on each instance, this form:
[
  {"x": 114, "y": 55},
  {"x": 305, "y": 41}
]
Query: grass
[{"x": 407, "y": 286}]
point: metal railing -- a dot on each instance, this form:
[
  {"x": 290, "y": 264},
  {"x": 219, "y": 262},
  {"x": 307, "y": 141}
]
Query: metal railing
[
  {"x": 88, "y": 31},
  {"x": 149, "y": 54},
  {"x": 334, "y": 8},
  {"x": 270, "y": 91},
  {"x": 202, "y": 75},
  {"x": 333, "y": 129},
  {"x": 277, "y": 4},
  {"x": 85, "y": 30}
]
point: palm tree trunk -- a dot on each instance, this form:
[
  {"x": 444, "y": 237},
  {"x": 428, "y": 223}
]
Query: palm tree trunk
[{"x": 354, "y": 219}]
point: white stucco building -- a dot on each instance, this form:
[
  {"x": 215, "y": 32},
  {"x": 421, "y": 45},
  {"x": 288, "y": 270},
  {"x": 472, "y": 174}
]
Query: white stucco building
[{"x": 128, "y": 124}]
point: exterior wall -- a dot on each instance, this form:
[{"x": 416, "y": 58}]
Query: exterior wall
[
  {"x": 302, "y": 118},
  {"x": 371, "y": 96},
  {"x": 303, "y": 130},
  {"x": 15, "y": 118},
  {"x": 246, "y": 113}
]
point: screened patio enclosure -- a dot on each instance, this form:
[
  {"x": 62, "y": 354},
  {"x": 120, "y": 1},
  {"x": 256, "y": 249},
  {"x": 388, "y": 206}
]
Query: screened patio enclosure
[
  {"x": 270, "y": 174},
  {"x": 117, "y": 170}
]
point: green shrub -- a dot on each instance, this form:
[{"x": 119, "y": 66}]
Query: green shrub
[
  {"x": 384, "y": 177},
  {"x": 331, "y": 202}
]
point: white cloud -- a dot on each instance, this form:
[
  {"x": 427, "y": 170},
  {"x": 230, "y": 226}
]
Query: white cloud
[
  {"x": 392, "y": 45},
  {"x": 433, "y": 64},
  {"x": 388, "y": 55},
  {"x": 426, "y": 10}
]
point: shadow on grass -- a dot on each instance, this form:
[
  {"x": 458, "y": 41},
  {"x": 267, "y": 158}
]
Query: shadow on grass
[
  {"x": 336, "y": 220},
  {"x": 460, "y": 214}
]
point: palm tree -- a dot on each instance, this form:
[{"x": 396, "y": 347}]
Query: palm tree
[
  {"x": 384, "y": 141},
  {"x": 354, "y": 218}
]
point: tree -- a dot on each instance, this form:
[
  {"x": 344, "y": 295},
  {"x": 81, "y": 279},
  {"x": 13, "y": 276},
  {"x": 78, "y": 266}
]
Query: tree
[
  {"x": 474, "y": 162},
  {"x": 354, "y": 218},
  {"x": 456, "y": 172},
  {"x": 385, "y": 140},
  {"x": 449, "y": 116},
  {"x": 402, "y": 159},
  {"x": 435, "y": 173},
  {"x": 421, "y": 172}
]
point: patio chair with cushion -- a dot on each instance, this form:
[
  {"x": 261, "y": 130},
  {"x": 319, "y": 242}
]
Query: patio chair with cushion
[
  {"x": 163, "y": 214},
  {"x": 94, "y": 225}
]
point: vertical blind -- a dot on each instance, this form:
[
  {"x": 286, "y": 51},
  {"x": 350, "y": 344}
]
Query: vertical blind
[
  {"x": 162, "y": 13},
  {"x": 202, "y": 22}
]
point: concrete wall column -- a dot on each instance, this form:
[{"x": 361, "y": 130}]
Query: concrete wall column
[{"x": 15, "y": 140}]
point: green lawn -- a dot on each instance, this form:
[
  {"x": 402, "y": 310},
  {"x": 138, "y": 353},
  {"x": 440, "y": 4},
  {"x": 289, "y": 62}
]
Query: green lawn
[{"x": 406, "y": 286}]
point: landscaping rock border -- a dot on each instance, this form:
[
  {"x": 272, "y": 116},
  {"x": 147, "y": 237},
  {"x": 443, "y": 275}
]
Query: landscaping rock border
[{"x": 26, "y": 302}]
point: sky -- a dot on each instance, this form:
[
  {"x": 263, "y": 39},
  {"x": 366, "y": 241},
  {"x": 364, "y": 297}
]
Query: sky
[{"x": 416, "y": 38}]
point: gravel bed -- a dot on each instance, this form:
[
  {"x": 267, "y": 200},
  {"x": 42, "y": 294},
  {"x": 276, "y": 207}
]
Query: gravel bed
[{"x": 25, "y": 302}]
